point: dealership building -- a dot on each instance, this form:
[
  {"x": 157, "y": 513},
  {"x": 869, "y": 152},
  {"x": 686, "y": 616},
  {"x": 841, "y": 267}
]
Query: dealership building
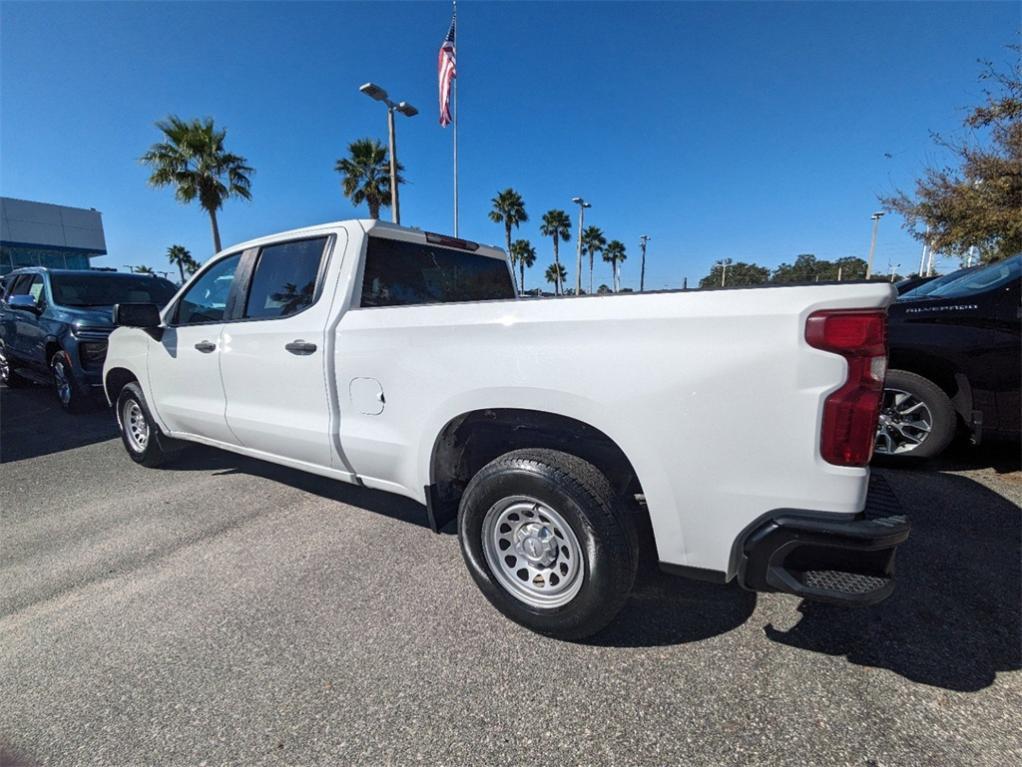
[{"x": 41, "y": 234}]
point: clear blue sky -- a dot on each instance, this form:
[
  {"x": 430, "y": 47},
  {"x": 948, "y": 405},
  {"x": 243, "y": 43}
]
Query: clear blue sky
[{"x": 750, "y": 131}]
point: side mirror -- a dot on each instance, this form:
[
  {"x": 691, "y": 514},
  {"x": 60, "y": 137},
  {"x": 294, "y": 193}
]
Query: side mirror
[
  {"x": 23, "y": 301},
  {"x": 145, "y": 316}
]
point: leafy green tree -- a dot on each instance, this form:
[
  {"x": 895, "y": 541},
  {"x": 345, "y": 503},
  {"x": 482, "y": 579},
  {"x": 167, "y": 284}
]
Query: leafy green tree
[
  {"x": 144, "y": 270},
  {"x": 847, "y": 268},
  {"x": 524, "y": 255},
  {"x": 508, "y": 209},
  {"x": 593, "y": 242},
  {"x": 805, "y": 269},
  {"x": 179, "y": 256},
  {"x": 602, "y": 290},
  {"x": 366, "y": 175},
  {"x": 194, "y": 161},
  {"x": 556, "y": 224},
  {"x": 979, "y": 203},
  {"x": 738, "y": 273},
  {"x": 556, "y": 274},
  {"x": 614, "y": 254}
]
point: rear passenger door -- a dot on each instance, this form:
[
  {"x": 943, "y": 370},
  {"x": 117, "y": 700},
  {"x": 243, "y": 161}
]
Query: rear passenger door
[{"x": 273, "y": 356}]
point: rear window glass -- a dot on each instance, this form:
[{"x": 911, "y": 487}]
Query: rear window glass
[
  {"x": 85, "y": 289},
  {"x": 284, "y": 281},
  {"x": 407, "y": 273}
]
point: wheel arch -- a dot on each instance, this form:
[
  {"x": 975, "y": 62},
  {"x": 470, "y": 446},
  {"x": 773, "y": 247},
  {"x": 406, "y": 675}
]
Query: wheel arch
[
  {"x": 116, "y": 379},
  {"x": 942, "y": 372},
  {"x": 470, "y": 440}
]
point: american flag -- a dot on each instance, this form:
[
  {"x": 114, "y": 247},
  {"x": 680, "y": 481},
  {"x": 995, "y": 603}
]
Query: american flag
[{"x": 446, "y": 72}]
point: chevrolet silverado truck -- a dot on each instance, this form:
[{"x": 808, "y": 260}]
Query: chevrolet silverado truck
[{"x": 737, "y": 425}]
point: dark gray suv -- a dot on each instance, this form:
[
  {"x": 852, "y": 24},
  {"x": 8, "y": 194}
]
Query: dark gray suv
[{"x": 54, "y": 325}]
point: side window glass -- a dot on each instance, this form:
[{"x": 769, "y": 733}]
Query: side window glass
[
  {"x": 206, "y": 300},
  {"x": 21, "y": 283},
  {"x": 284, "y": 279},
  {"x": 35, "y": 288}
]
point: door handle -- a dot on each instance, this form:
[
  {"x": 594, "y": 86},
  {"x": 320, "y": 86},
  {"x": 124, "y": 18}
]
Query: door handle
[
  {"x": 206, "y": 347},
  {"x": 300, "y": 347}
]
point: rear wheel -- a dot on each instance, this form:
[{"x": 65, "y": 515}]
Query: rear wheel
[
  {"x": 917, "y": 419},
  {"x": 8, "y": 375},
  {"x": 142, "y": 438},
  {"x": 549, "y": 542}
]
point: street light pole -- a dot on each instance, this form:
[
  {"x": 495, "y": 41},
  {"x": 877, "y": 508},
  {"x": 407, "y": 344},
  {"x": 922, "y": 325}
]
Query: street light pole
[
  {"x": 724, "y": 263},
  {"x": 643, "y": 239},
  {"x": 395, "y": 204},
  {"x": 377, "y": 93},
  {"x": 873, "y": 242},
  {"x": 582, "y": 205}
]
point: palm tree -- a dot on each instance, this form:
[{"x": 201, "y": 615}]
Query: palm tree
[
  {"x": 523, "y": 254},
  {"x": 593, "y": 242},
  {"x": 144, "y": 270},
  {"x": 179, "y": 256},
  {"x": 366, "y": 173},
  {"x": 556, "y": 224},
  {"x": 615, "y": 254},
  {"x": 509, "y": 209},
  {"x": 194, "y": 161},
  {"x": 555, "y": 273}
]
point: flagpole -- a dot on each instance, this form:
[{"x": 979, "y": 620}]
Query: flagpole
[{"x": 454, "y": 85}]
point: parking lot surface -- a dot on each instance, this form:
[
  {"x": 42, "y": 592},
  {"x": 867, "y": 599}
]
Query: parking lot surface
[{"x": 226, "y": 611}]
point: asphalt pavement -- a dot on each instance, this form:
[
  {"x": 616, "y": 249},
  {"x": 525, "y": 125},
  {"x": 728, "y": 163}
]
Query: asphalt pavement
[{"x": 227, "y": 611}]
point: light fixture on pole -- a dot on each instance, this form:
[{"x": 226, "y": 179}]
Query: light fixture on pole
[
  {"x": 375, "y": 92},
  {"x": 643, "y": 239},
  {"x": 873, "y": 242},
  {"x": 582, "y": 205}
]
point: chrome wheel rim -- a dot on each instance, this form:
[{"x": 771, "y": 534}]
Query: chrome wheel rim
[
  {"x": 62, "y": 381},
  {"x": 5, "y": 368},
  {"x": 904, "y": 424},
  {"x": 532, "y": 552},
  {"x": 134, "y": 425}
]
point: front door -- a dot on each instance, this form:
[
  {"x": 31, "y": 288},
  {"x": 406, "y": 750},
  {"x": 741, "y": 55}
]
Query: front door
[
  {"x": 184, "y": 366},
  {"x": 273, "y": 357}
]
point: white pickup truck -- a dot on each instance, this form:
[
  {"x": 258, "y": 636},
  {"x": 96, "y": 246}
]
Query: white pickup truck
[{"x": 737, "y": 425}]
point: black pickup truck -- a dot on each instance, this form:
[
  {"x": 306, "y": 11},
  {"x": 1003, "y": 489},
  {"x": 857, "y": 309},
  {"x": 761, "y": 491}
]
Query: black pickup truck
[{"x": 954, "y": 362}]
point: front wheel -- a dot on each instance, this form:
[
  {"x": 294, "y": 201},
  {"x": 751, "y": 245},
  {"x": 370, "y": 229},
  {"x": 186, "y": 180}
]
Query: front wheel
[
  {"x": 917, "y": 420},
  {"x": 142, "y": 438},
  {"x": 72, "y": 397},
  {"x": 549, "y": 542}
]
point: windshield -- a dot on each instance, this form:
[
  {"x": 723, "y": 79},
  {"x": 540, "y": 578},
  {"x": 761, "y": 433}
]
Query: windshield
[
  {"x": 90, "y": 289},
  {"x": 986, "y": 278}
]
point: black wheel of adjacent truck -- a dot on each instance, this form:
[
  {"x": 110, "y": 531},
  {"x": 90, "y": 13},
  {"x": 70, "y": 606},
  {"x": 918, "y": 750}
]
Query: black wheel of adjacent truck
[
  {"x": 549, "y": 542},
  {"x": 142, "y": 437},
  {"x": 917, "y": 419}
]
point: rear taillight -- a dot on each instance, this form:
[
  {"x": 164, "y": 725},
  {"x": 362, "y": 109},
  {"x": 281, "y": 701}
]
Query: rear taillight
[{"x": 850, "y": 413}]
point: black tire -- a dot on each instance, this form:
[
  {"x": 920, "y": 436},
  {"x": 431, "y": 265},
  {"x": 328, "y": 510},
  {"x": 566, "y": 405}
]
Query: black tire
[
  {"x": 157, "y": 448},
  {"x": 943, "y": 421},
  {"x": 71, "y": 396},
  {"x": 8, "y": 375},
  {"x": 602, "y": 524}
]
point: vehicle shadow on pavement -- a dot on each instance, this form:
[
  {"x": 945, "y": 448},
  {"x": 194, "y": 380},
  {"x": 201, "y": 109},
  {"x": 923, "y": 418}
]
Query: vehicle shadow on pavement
[
  {"x": 668, "y": 610},
  {"x": 32, "y": 424},
  {"x": 200, "y": 458},
  {"x": 954, "y": 619}
]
